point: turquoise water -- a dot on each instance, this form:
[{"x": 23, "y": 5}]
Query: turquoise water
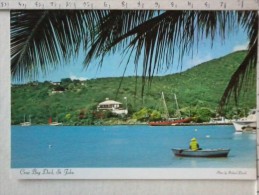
[{"x": 126, "y": 146}]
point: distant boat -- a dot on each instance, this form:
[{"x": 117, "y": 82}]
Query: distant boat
[
  {"x": 169, "y": 121},
  {"x": 201, "y": 153},
  {"x": 220, "y": 120},
  {"x": 26, "y": 123},
  {"x": 246, "y": 124},
  {"x": 54, "y": 123}
]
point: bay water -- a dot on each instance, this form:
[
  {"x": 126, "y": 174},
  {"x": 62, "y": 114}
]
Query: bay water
[{"x": 132, "y": 146}]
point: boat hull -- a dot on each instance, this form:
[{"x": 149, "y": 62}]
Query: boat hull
[
  {"x": 241, "y": 126},
  {"x": 55, "y": 124},
  {"x": 201, "y": 153},
  {"x": 169, "y": 123},
  {"x": 25, "y": 124},
  {"x": 246, "y": 124}
]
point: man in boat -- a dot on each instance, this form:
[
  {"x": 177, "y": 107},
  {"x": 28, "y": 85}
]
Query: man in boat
[{"x": 194, "y": 145}]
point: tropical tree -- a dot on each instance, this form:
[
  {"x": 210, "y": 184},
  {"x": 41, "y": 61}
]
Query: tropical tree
[{"x": 41, "y": 40}]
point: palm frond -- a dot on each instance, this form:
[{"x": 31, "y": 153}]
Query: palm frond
[
  {"x": 249, "y": 20},
  {"x": 158, "y": 36},
  {"x": 162, "y": 33},
  {"x": 41, "y": 40},
  {"x": 242, "y": 74}
]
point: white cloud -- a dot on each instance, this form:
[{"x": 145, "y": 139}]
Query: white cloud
[
  {"x": 241, "y": 47},
  {"x": 196, "y": 60},
  {"x": 73, "y": 77}
]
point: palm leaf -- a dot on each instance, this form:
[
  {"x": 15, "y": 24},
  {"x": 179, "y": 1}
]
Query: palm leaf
[
  {"x": 160, "y": 35},
  {"x": 245, "y": 71},
  {"x": 41, "y": 40}
]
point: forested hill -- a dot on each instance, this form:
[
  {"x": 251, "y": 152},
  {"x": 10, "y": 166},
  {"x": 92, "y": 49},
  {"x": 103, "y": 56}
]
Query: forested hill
[{"x": 198, "y": 91}]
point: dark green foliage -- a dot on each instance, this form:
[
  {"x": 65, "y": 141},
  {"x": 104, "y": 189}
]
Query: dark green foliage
[
  {"x": 198, "y": 92},
  {"x": 143, "y": 115}
]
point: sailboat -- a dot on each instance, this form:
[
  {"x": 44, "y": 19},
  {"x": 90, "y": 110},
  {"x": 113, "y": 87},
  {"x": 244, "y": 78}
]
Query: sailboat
[
  {"x": 54, "y": 123},
  {"x": 169, "y": 121},
  {"x": 26, "y": 123}
]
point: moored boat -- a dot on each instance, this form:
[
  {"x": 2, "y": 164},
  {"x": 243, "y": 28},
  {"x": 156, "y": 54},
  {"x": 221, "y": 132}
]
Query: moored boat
[
  {"x": 246, "y": 124},
  {"x": 220, "y": 121},
  {"x": 169, "y": 121},
  {"x": 201, "y": 153},
  {"x": 54, "y": 123},
  {"x": 26, "y": 123}
]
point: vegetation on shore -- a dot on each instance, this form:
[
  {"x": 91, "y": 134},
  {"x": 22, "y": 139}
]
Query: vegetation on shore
[{"x": 74, "y": 102}]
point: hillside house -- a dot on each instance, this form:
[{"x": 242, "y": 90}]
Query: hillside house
[
  {"x": 55, "y": 83},
  {"x": 113, "y": 106}
]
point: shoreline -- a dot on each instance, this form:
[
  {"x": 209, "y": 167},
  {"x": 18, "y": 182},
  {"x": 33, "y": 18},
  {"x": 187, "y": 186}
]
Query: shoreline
[
  {"x": 134, "y": 124},
  {"x": 202, "y": 124}
]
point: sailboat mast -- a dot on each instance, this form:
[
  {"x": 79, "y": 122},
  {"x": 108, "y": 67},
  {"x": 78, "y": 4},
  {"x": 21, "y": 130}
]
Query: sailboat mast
[
  {"x": 165, "y": 106},
  {"x": 177, "y": 106}
]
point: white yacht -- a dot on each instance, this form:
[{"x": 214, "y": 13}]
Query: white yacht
[
  {"x": 220, "y": 120},
  {"x": 247, "y": 123},
  {"x": 26, "y": 123},
  {"x": 56, "y": 123}
]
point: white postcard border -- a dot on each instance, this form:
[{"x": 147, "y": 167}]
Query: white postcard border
[
  {"x": 10, "y": 185},
  {"x": 135, "y": 173}
]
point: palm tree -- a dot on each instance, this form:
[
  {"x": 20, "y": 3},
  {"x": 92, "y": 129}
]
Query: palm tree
[{"x": 41, "y": 39}]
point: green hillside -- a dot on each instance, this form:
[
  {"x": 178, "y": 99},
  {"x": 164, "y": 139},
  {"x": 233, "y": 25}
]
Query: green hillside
[{"x": 198, "y": 92}]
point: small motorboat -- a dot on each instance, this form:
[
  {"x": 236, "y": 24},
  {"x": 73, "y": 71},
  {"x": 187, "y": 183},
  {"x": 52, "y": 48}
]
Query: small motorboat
[{"x": 201, "y": 153}]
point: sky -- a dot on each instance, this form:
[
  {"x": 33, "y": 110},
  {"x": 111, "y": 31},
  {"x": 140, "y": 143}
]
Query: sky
[{"x": 112, "y": 66}]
